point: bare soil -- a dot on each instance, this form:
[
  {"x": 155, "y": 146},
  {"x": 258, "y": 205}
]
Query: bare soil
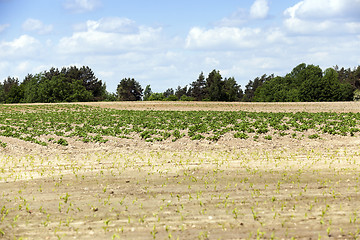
[
  {"x": 230, "y": 189},
  {"x": 234, "y": 106}
]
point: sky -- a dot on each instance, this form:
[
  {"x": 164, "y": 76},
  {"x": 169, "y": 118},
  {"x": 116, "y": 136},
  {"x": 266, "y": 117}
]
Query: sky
[{"x": 168, "y": 43}]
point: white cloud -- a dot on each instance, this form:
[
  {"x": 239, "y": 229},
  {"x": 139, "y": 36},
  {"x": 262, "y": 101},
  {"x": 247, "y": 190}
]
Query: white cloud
[
  {"x": 259, "y": 9},
  {"x": 110, "y": 36},
  {"x": 323, "y": 9},
  {"x": 3, "y": 27},
  {"x": 80, "y": 6},
  {"x": 353, "y": 27},
  {"x": 24, "y": 46},
  {"x": 276, "y": 36},
  {"x": 233, "y": 39},
  {"x": 113, "y": 25},
  {"x": 34, "y": 25},
  {"x": 20, "y": 56},
  {"x": 211, "y": 61},
  {"x": 323, "y": 16},
  {"x": 23, "y": 66},
  {"x": 237, "y": 18},
  {"x": 222, "y": 38}
]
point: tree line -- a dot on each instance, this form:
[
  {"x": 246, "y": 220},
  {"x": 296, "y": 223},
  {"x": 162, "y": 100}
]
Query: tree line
[
  {"x": 305, "y": 83},
  {"x": 70, "y": 84}
]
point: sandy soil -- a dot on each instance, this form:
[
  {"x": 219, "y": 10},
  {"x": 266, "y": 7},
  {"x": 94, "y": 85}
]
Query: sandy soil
[
  {"x": 230, "y": 189},
  {"x": 228, "y": 106},
  {"x": 234, "y": 106}
]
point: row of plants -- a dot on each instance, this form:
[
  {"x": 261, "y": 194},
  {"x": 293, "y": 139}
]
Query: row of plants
[{"x": 40, "y": 123}]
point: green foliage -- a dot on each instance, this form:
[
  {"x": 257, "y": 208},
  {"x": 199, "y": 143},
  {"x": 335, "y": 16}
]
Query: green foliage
[
  {"x": 241, "y": 135},
  {"x": 2, "y": 144},
  {"x": 197, "y": 137},
  {"x": 198, "y": 88},
  {"x": 314, "y": 136},
  {"x": 147, "y": 93},
  {"x": 349, "y": 76},
  {"x": 12, "y": 91},
  {"x": 278, "y": 89},
  {"x": 173, "y": 98},
  {"x": 63, "y": 142},
  {"x": 30, "y": 123},
  {"x": 68, "y": 85},
  {"x": 268, "y": 137},
  {"x": 58, "y": 89},
  {"x": 214, "y": 88},
  {"x": 306, "y": 83},
  {"x": 186, "y": 98},
  {"x": 129, "y": 90},
  {"x": 357, "y": 95},
  {"x": 156, "y": 97},
  {"x": 252, "y": 87},
  {"x": 214, "y": 85}
]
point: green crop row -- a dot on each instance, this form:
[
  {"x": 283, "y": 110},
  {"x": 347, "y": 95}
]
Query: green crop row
[{"x": 91, "y": 124}]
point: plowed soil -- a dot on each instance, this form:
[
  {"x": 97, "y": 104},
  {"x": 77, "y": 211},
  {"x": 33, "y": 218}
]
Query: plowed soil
[{"x": 230, "y": 189}]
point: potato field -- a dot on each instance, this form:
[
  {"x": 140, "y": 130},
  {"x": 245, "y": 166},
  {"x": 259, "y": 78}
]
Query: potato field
[{"x": 121, "y": 172}]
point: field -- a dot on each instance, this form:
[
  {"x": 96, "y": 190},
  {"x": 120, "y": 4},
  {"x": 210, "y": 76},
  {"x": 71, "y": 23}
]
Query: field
[{"x": 180, "y": 171}]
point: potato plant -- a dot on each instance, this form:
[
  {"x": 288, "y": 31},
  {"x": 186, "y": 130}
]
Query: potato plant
[
  {"x": 267, "y": 192},
  {"x": 90, "y": 124}
]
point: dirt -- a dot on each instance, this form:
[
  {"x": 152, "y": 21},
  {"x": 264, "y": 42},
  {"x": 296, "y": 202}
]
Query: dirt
[
  {"x": 234, "y": 106},
  {"x": 231, "y": 189}
]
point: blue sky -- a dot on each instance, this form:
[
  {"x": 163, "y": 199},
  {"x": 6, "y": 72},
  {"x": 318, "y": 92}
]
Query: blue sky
[{"x": 168, "y": 43}]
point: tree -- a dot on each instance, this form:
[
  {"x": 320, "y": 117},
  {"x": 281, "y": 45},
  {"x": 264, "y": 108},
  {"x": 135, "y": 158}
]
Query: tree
[
  {"x": 179, "y": 92},
  {"x": 252, "y": 86},
  {"x": 58, "y": 89},
  {"x": 110, "y": 97},
  {"x": 198, "y": 88},
  {"x": 349, "y": 76},
  {"x": 147, "y": 93},
  {"x": 85, "y": 75},
  {"x": 156, "y": 97},
  {"x": 12, "y": 92},
  {"x": 172, "y": 98},
  {"x": 15, "y": 95},
  {"x": 9, "y": 82},
  {"x": 92, "y": 83},
  {"x": 310, "y": 88},
  {"x": 305, "y": 83},
  {"x": 278, "y": 89},
  {"x": 332, "y": 89},
  {"x": 2, "y": 93},
  {"x": 231, "y": 90},
  {"x": 214, "y": 86},
  {"x": 31, "y": 87},
  {"x": 168, "y": 92},
  {"x": 129, "y": 90},
  {"x": 357, "y": 95}
]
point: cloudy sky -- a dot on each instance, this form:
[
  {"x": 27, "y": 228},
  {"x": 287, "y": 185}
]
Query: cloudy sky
[{"x": 168, "y": 43}]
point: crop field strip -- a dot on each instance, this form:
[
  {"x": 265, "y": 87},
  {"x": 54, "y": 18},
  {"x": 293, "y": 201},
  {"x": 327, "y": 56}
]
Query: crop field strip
[
  {"x": 91, "y": 124},
  {"x": 238, "y": 193},
  {"x": 187, "y": 195}
]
